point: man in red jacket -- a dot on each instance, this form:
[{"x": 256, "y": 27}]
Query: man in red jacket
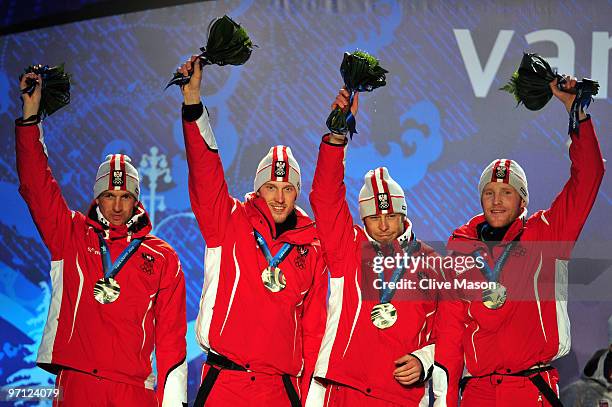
[
  {"x": 262, "y": 312},
  {"x": 118, "y": 292},
  {"x": 377, "y": 349},
  {"x": 507, "y": 336}
]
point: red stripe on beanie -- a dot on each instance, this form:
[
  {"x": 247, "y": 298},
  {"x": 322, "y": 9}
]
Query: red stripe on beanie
[
  {"x": 507, "y": 177},
  {"x": 111, "y": 166},
  {"x": 386, "y": 190},
  {"x": 494, "y": 171},
  {"x": 123, "y": 173},
  {"x": 273, "y": 166},
  {"x": 286, "y": 160},
  {"x": 375, "y": 189}
]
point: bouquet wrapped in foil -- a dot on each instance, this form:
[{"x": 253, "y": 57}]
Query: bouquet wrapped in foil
[
  {"x": 530, "y": 86},
  {"x": 361, "y": 72},
  {"x": 55, "y": 92},
  {"x": 228, "y": 44}
]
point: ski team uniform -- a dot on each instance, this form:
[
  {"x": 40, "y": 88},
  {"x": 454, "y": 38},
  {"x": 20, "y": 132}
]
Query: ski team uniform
[
  {"x": 507, "y": 351},
  {"x": 261, "y": 345},
  {"x": 356, "y": 361},
  {"x": 102, "y": 353}
]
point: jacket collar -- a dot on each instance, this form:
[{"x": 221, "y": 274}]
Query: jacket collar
[
  {"x": 469, "y": 232},
  {"x": 137, "y": 226},
  {"x": 257, "y": 210},
  {"x": 399, "y": 241}
]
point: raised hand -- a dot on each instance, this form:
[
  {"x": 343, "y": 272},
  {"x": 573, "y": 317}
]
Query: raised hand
[
  {"x": 31, "y": 103},
  {"x": 191, "y": 90}
]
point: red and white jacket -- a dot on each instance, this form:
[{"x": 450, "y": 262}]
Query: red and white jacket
[
  {"x": 276, "y": 333},
  {"x": 532, "y": 327},
  {"x": 354, "y": 352},
  {"x": 114, "y": 341}
]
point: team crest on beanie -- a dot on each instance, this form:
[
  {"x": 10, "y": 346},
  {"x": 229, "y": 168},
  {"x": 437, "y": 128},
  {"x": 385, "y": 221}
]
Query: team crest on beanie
[
  {"x": 500, "y": 172},
  {"x": 118, "y": 178},
  {"x": 280, "y": 168},
  {"x": 383, "y": 201}
]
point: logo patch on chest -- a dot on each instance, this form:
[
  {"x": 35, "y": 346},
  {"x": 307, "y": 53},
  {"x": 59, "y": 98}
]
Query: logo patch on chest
[
  {"x": 300, "y": 259},
  {"x": 147, "y": 263},
  {"x": 518, "y": 251}
]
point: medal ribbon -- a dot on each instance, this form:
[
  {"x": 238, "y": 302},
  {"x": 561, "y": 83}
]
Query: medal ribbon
[
  {"x": 386, "y": 294},
  {"x": 279, "y": 257},
  {"x": 350, "y": 119},
  {"x": 493, "y": 275},
  {"x": 112, "y": 269},
  {"x": 585, "y": 90}
]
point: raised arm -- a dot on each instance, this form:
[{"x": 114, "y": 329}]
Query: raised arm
[
  {"x": 328, "y": 195},
  {"x": 571, "y": 207},
  {"x": 37, "y": 185},
  {"x": 208, "y": 192}
]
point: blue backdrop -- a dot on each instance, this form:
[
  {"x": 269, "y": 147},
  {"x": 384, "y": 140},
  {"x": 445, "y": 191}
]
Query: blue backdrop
[{"x": 436, "y": 124}]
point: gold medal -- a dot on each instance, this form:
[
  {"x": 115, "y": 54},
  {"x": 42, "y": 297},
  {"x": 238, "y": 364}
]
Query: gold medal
[
  {"x": 273, "y": 279},
  {"x": 383, "y": 315},
  {"x": 106, "y": 290},
  {"x": 494, "y": 298}
]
